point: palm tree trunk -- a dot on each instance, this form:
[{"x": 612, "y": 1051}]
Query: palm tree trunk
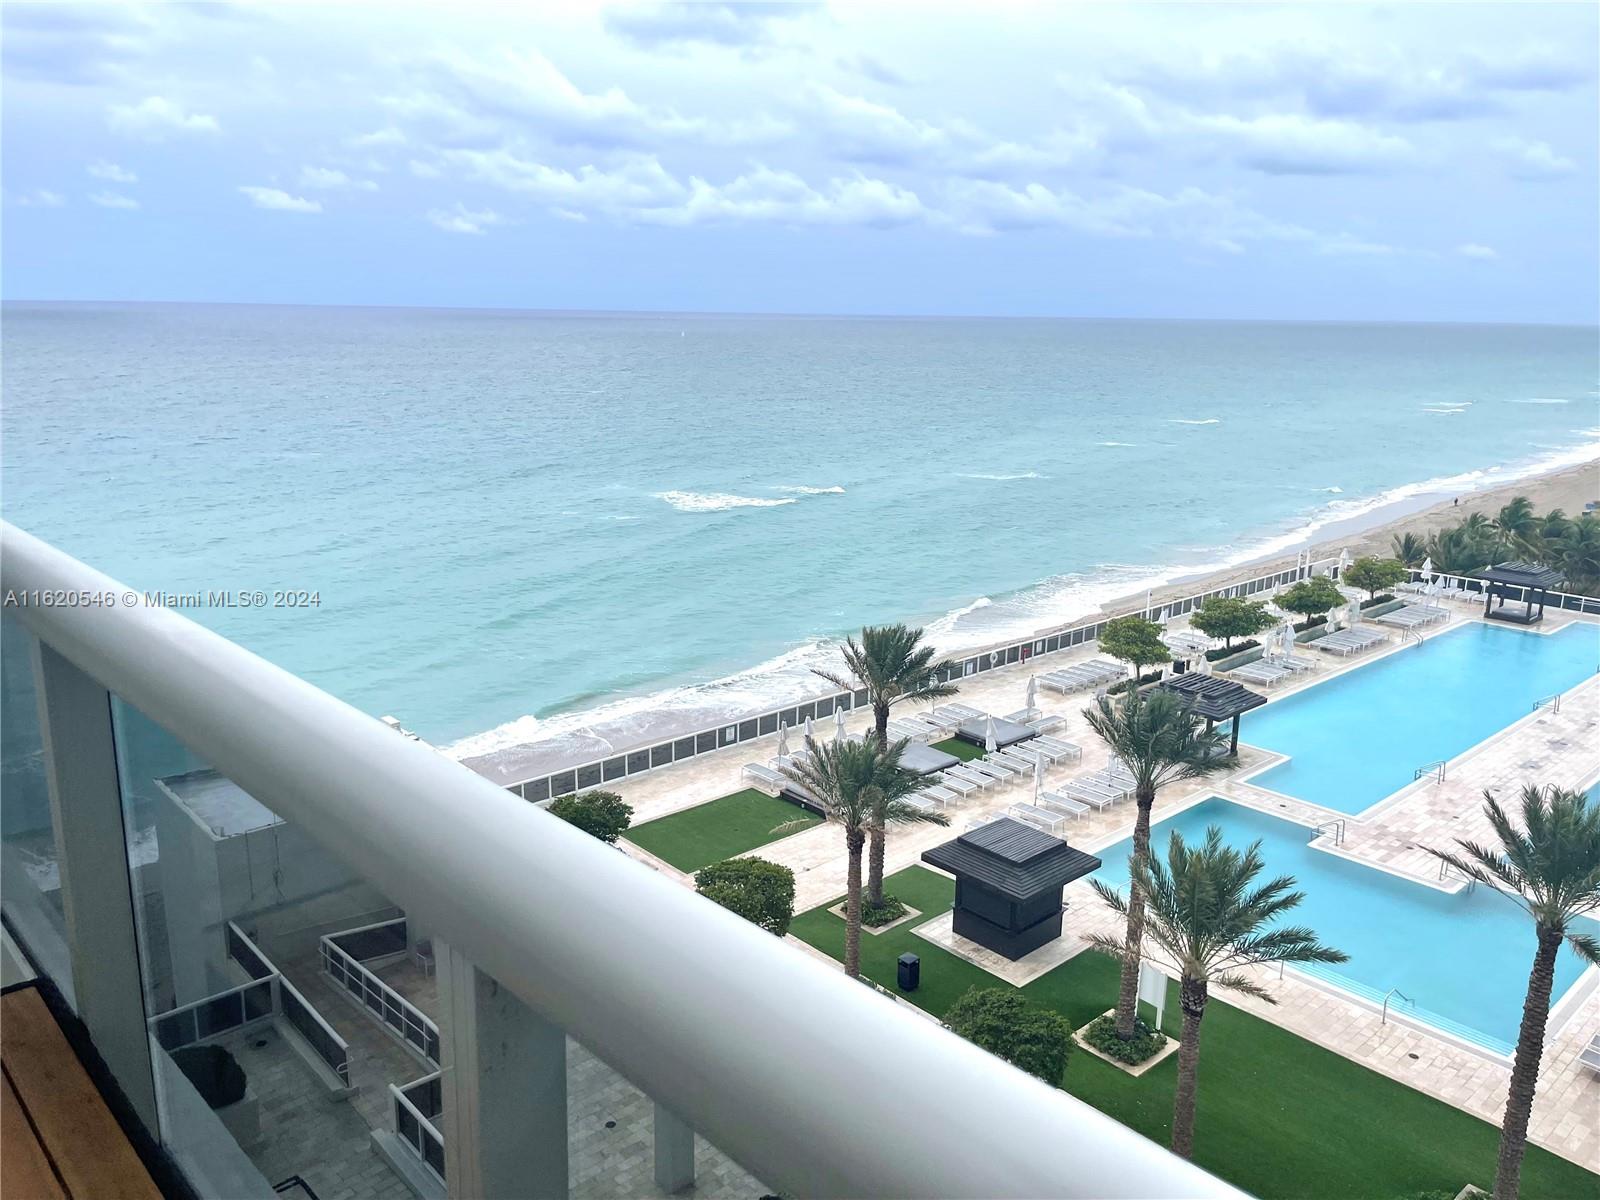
[
  {"x": 853, "y": 841},
  {"x": 1525, "y": 1067},
  {"x": 1192, "y": 994},
  {"x": 1128, "y": 982},
  {"x": 875, "y": 834}
]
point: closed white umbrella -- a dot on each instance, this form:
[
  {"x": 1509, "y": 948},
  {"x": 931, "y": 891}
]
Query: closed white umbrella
[
  {"x": 1344, "y": 562},
  {"x": 991, "y": 739},
  {"x": 1148, "y": 597},
  {"x": 1286, "y": 640},
  {"x": 838, "y": 724},
  {"x": 1033, "y": 689},
  {"x": 783, "y": 741},
  {"x": 810, "y": 730},
  {"x": 1038, "y": 777},
  {"x": 1427, "y": 569},
  {"x": 1333, "y": 621}
]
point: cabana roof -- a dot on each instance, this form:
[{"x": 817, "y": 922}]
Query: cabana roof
[
  {"x": 1014, "y": 859},
  {"x": 1213, "y": 698},
  {"x": 1521, "y": 574}
]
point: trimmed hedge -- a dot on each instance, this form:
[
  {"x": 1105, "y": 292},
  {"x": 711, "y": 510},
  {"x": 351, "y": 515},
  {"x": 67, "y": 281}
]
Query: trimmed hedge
[
  {"x": 1222, "y": 652},
  {"x": 1145, "y": 1042}
]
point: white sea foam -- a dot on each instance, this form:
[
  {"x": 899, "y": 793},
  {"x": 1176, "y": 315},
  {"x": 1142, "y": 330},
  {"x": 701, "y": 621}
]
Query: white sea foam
[
  {"x": 1336, "y": 490},
  {"x": 1539, "y": 400},
  {"x": 1117, "y": 443},
  {"x": 1005, "y": 478},
  {"x": 1188, "y": 421},
  {"x": 787, "y": 678},
  {"x": 697, "y": 502},
  {"x": 1444, "y": 412},
  {"x": 801, "y": 490}
]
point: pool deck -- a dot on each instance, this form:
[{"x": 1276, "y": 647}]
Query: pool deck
[{"x": 1561, "y": 747}]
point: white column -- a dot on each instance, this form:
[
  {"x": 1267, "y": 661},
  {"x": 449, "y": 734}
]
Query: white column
[
  {"x": 504, "y": 1080},
  {"x": 674, "y": 1151},
  {"x": 80, "y": 757}
]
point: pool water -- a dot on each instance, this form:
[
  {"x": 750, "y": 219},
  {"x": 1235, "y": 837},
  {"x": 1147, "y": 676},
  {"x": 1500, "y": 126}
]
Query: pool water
[
  {"x": 1360, "y": 737},
  {"x": 1462, "y": 959}
]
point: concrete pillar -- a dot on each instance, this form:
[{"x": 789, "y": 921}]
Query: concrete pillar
[
  {"x": 504, "y": 1081},
  {"x": 674, "y": 1151},
  {"x": 80, "y": 758}
]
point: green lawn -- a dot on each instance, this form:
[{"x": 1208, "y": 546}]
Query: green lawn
[
  {"x": 723, "y": 828},
  {"x": 1278, "y": 1116},
  {"x": 965, "y": 751}
]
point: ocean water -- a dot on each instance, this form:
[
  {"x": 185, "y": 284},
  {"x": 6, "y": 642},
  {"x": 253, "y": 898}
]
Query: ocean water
[{"x": 509, "y": 518}]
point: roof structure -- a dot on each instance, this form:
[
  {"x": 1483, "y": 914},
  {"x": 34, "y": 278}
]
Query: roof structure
[
  {"x": 1213, "y": 698},
  {"x": 1521, "y": 574},
  {"x": 1014, "y": 859}
]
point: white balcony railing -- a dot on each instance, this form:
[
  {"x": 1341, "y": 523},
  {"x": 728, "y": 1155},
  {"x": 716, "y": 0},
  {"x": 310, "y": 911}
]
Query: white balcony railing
[{"x": 817, "y": 1085}]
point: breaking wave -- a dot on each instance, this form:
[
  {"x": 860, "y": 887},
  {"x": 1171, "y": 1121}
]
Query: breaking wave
[{"x": 698, "y": 502}]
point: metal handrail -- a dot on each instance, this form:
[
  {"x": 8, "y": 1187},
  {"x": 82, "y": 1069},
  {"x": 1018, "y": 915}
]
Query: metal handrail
[
  {"x": 1392, "y": 992},
  {"x": 676, "y": 991},
  {"x": 1553, "y": 700},
  {"x": 1436, "y": 769},
  {"x": 1336, "y": 825}
]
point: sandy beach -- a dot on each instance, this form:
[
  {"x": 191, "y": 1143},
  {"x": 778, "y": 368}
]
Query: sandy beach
[{"x": 1568, "y": 489}]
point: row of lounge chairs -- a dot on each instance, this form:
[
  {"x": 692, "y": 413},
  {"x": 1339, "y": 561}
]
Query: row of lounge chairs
[
  {"x": 923, "y": 727},
  {"x": 1414, "y": 616},
  {"x": 1094, "y": 673},
  {"x": 1349, "y": 641},
  {"x": 1077, "y": 798},
  {"x": 1268, "y": 671}
]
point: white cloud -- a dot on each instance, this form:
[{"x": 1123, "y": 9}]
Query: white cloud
[
  {"x": 461, "y": 219},
  {"x": 1293, "y": 144},
  {"x": 1476, "y": 250},
  {"x": 640, "y": 182},
  {"x": 387, "y": 136},
  {"x": 279, "y": 200},
  {"x": 862, "y": 130},
  {"x": 328, "y": 179},
  {"x": 781, "y": 197},
  {"x": 39, "y": 198},
  {"x": 1532, "y": 160},
  {"x": 111, "y": 172},
  {"x": 113, "y": 200},
  {"x": 155, "y": 117},
  {"x": 424, "y": 170},
  {"x": 686, "y": 22}
]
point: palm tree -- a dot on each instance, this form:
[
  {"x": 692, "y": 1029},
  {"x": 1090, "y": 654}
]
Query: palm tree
[
  {"x": 1578, "y": 554},
  {"x": 1461, "y": 550},
  {"x": 1160, "y": 740},
  {"x": 1554, "y": 527},
  {"x": 858, "y": 784},
  {"x": 1207, "y": 917},
  {"x": 1410, "y": 549},
  {"x": 1551, "y": 867},
  {"x": 892, "y": 665},
  {"x": 1516, "y": 526}
]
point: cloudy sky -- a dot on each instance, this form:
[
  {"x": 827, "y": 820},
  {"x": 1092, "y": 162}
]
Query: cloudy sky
[{"x": 1412, "y": 162}]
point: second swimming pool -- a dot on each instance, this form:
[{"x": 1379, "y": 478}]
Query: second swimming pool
[{"x": 1353, "y": 740}]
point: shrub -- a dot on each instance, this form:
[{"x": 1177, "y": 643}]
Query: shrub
[
  {"x": 876, "y": 915},
  {"x": 1309, "y": 623},
  {"x": 1229, "y": 617},
  {"x": 1035, "y": 1039},
  {"x": 1222, "y": 652},
  {"x": 1373, "y": 575},
  {"x": 1376, "y": 600},
  {"x": 1101, "y": 1033},
  {"x": 1135, "y": 641},
  {"x": 599, "y": 814},
  {"x": 1116, "y": 689},
  {"x": 761, "y": 892},
  {"x": 1310, "y": 597},
  {"x": 216, "y": 1075}
]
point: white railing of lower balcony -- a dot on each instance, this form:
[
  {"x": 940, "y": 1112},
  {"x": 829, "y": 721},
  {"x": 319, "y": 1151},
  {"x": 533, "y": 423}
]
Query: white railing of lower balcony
[{"x": 817, "y": 1085}]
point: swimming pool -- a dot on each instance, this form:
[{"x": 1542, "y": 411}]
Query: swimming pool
[
  {"x": 1355, "y": 739},
  {"x": 1462, "y": 959}
]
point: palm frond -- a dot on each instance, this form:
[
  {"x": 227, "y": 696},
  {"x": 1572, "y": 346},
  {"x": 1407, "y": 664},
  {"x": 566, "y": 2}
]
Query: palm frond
[{"x": 1243, "y": 983}]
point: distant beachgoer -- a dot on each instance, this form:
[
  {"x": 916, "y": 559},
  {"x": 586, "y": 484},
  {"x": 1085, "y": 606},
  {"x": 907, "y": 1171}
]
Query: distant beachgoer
[{"x": 1455, "y": 502}]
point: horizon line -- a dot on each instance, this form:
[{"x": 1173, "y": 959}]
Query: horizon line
[{"x": 802, "y": 315}]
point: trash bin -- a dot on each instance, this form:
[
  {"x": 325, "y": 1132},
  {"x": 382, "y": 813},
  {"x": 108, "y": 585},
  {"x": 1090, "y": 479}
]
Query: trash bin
[{"x": 910, "y": 972}]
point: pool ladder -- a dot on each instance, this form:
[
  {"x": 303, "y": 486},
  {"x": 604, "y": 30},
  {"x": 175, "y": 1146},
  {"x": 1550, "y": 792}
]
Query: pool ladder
[
  {"x": 1389, "y": 995},
  {"x": 1554, "y": 701},
  {"x": 1446, "y": 871},
  {"x": 1436, "y": 769},
  {"x": 1334, "y": 826}
]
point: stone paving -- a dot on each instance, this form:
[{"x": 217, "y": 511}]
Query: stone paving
[
  {"x": 304, "y": 1130},
  {"x": 1548, "y": 747}
]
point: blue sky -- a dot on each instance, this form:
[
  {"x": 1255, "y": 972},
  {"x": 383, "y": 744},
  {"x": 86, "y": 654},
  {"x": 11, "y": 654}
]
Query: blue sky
[{"x": 1414, "y": 162}]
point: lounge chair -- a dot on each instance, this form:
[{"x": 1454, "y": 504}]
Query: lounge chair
[
  {"x": 1076, "y": 809},
  {"x": 1260, "y": 672},
  {"x": 1046, "y": 724},
  {"x": 958, "y": 713},
  {"x": 1039, "y": 818},
  {"x": 1067, "y": 750},
  {"x": 966, "y": 773},
  {"x": 1022, "y": 716},
  {"x": 998, "y": 771},
  {"x": 1089, "y": 794},
  {"x": 765, "y": 775},
  {"x": 962, "y": 787},
  {"x": 1021, "y": 760},
  {"x": 1589, "y": 1056},
  {"x": 940, "y": 794}
]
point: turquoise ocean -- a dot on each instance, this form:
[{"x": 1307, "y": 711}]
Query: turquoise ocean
[{"x": 511, "y": 518}]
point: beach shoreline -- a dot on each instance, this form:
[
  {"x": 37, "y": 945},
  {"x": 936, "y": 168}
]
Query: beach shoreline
[{"x": 572, "y": 741}]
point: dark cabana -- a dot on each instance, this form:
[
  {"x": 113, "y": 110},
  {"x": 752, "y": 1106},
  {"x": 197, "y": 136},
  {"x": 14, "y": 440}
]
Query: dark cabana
[
  {"x": 1006, "y": 733},
  {"x": 1009, "y": 878},
  {"x": 1530, "y": 582},
  {"x": 1216, "y": 700}
]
